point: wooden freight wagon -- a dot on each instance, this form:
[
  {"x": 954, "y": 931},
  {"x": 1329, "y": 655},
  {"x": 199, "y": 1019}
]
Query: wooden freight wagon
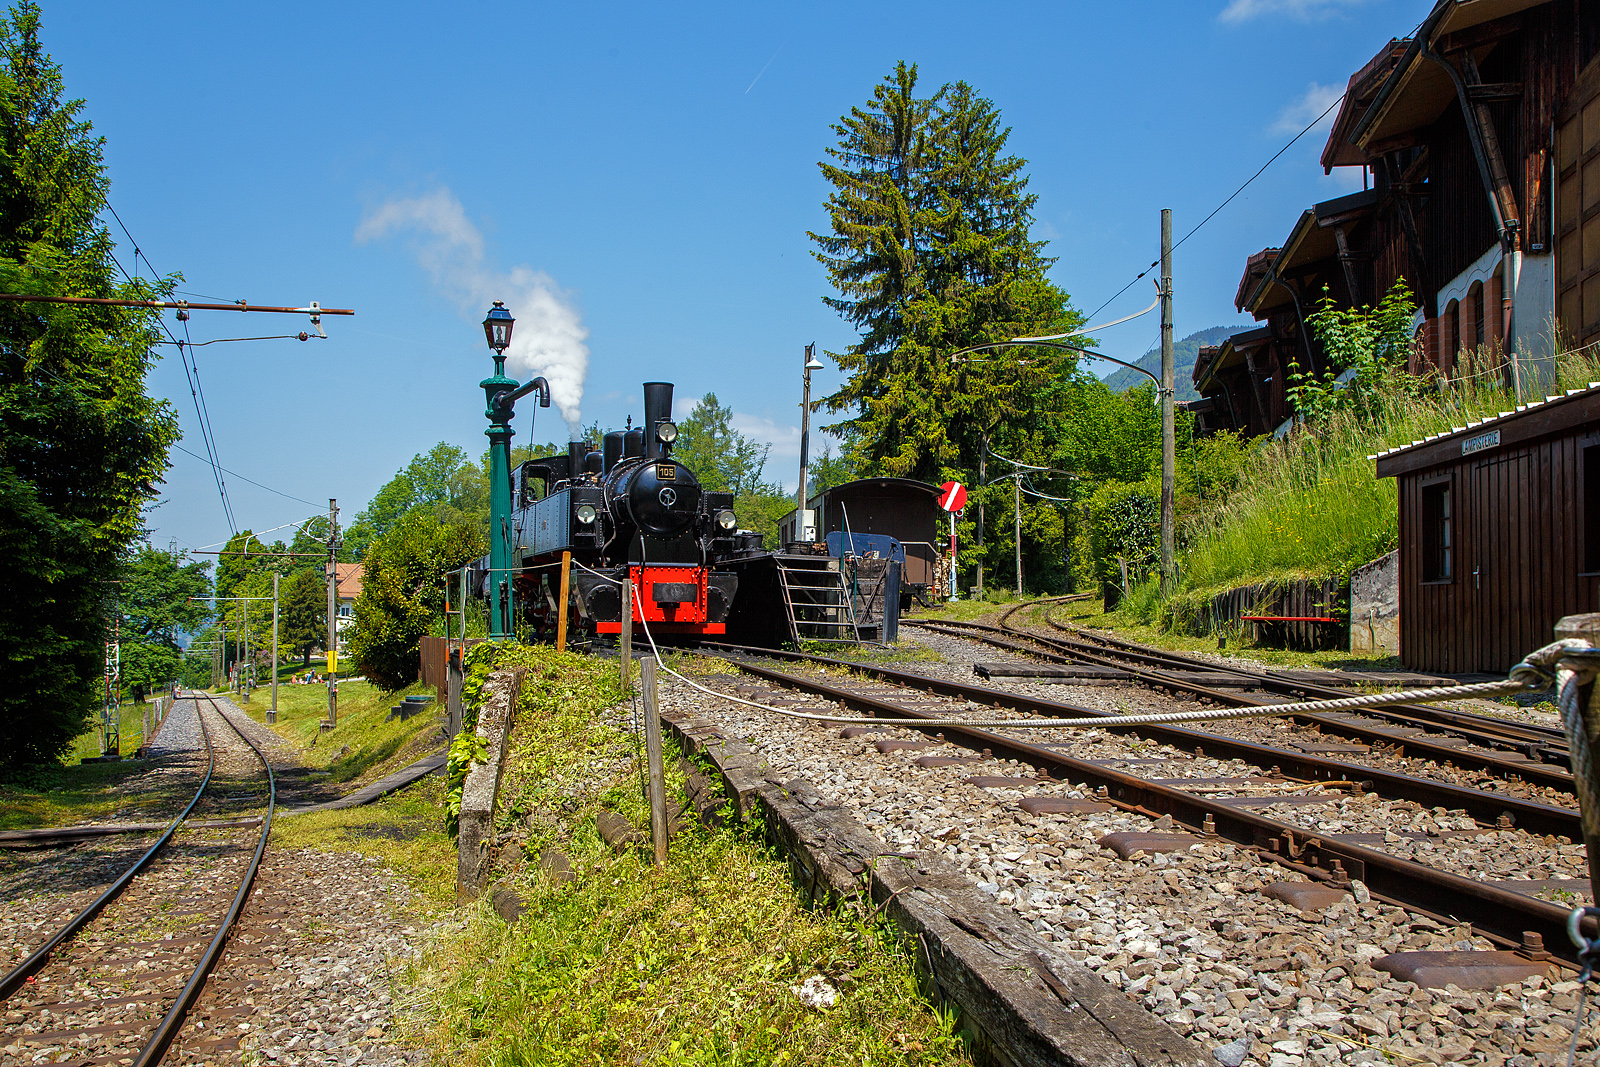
[{"x": 1499, "y": 533}]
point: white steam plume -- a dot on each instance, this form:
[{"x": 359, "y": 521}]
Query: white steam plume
[{"x": 549, "y": 336}]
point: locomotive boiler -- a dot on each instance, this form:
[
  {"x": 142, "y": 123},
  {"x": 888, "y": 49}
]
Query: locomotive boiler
[{"x": 626, "y": 513}]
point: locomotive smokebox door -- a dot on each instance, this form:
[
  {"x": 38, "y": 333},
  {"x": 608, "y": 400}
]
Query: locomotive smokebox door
[{"x": 674, "y": 592}]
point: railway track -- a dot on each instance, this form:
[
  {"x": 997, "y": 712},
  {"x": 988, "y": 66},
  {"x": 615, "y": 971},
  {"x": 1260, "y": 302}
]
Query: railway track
[
  {"x": 1267, "y": 800},
  {"x": 1513, "y": 752},
  {"x": 115, "y": 984}
]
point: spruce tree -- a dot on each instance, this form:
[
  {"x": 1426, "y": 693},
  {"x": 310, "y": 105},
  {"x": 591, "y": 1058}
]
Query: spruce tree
[
  {"x": 930, "y": 252},
  {"x": 82, "y": 447}
]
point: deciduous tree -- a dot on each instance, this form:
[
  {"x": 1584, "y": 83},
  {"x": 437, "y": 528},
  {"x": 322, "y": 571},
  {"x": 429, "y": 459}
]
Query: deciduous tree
[{"x": 82, "y": 447}]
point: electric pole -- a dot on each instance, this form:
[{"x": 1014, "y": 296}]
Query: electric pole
[
  {"x": 1017, "y": 483},
  {"x": 983, "y": 482},
  {"x": 1169, "y": 436},
  {"x": 812, "y": 363},
  {"x": 272, "y": 712},
  {"x": 333, "y": 608},
  {"x": 244, "y": 663}
]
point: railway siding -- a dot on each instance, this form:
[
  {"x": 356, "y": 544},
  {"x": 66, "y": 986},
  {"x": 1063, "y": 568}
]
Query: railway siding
[
  {"x": 1212, "y": 935},
  {"x": 1027, "y": 1002}
]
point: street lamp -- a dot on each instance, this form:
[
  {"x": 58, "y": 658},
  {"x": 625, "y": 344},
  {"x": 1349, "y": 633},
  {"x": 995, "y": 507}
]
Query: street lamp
[
  {"x": 500, "y": 396},
  {"x": 812, "y": 363}
]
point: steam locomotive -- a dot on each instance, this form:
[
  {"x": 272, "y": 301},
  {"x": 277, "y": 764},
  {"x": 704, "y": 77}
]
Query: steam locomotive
[{"x": 628, "y": 513}]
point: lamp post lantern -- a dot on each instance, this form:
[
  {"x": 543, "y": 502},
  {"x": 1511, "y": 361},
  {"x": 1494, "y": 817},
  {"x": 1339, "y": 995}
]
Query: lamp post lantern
[{"x": 500, "y": 395}]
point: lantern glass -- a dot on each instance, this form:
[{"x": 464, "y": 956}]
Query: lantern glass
[{"x": 497, "y": 327}]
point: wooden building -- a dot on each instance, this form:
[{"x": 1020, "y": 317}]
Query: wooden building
[
  {"x": 1499, "y": 533},
  {"x": 1477, "y": 140},
  {"x": 902, "y": 508}
]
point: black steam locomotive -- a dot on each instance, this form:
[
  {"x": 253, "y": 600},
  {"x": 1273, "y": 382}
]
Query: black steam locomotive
[{"x": 628, "y": 513}]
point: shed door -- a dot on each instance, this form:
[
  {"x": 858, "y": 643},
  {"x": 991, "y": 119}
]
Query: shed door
[
  {"x": 1577, "y": 209},
  {"x": 1497, "y": 563}
]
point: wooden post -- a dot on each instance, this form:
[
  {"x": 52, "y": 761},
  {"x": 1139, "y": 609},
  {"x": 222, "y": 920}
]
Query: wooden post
[
  {"x": 561, "y": 605},
  {"x": 652, "y": 749},
  {"x": 272, "y": 712},
  {"x": 625, "y": 639},
  {"x": 454, "y": 677}
]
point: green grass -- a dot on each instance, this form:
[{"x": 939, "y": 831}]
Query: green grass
[
  {"x": 131, "y": 717},
  {"x": 1311, "y": 505},
  {"x": 88, "y": 792},
  {"x": 403, "y": 829},
  {"x": 1092, "y": 613},
  {"x": 627, "y": 964},
  {"x": 363, "y": 745}
]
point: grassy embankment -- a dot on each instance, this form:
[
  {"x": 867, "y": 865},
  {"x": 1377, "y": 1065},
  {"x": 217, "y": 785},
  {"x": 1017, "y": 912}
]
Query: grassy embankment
[
  {"x": 1311, "y": 505},
  {"x": 625, "y": 964},
  {"x": 363, "y": 746}
]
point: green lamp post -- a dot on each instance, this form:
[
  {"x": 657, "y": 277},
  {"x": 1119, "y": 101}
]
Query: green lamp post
[{"x": 500, "y": 395}]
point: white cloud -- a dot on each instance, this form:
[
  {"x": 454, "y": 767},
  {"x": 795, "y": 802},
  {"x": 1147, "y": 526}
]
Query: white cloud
[
  {"x": 549, "y": 335},
  {"x": 1245, "y": 10},
  {"x": 1300, "y": 114}
]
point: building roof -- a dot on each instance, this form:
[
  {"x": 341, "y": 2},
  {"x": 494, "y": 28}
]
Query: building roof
[
  {"x": 1527, "y": 421},
  {"x": 1358, "y": 95},
  {"x": 347, "y": 580},
  {"x": 1229, "y": 353},
  {"x": 1311, "y": 241},
  {"x": 1417, "y": 90}
]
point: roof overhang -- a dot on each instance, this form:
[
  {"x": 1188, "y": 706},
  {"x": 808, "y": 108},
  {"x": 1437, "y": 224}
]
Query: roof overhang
[
  {"x": 1418, "y": 90},
  {"x": 1310, "y": 242},
  {"x": 1231, "y": 353}
]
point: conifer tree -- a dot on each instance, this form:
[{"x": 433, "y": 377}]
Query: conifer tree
[
  {"x": 82, "y": 447},
  {"x": 930, "y": 252}
]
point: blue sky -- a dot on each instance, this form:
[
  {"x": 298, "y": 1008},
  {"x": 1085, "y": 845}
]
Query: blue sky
[{"x": 636, "y": 181}]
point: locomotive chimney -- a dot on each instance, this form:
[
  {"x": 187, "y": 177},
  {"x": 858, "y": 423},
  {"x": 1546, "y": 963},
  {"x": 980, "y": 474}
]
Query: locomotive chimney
[
  {"x": 613, "y": 449},
  {"x": 657, "y": 409},
  {"x": 576, "y": 451}
]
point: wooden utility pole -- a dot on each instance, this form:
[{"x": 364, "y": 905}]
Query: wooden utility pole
[
  {"x": 272, "y": 712},
  {"x": 333, "y": 609},
  {"x": 1169, "y": 435},
  {"x": 652, "y": 749},
  {"x": 244, "y": 664},
  {"x": 625, "y": 639}
]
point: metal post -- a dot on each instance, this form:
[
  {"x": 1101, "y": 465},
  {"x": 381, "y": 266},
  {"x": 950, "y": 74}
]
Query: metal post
[
  {"x": 499, "y": 434},
  {"x": 953, "y": 594},
  {"x": 983, "y": 481},
  {"x": 561, "y": 606},
  {"x": 333, "y": 613},
  {"x": 1016, "y": 479},
  {"x": 1586, "y": 747},
  {"x": 244, "y": 663},
  {"x": 652, "y": 748},
  {"x": 272, "y": 712},
  {"x": 1169, "y": 445},
  {"x": 805, "y": 442},
  {"x": 625, "y": 639}
]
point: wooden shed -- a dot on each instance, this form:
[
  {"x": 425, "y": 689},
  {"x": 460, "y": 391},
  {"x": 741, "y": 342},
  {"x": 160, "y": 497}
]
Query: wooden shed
[
  {"x": 1499, "y": 533},
  {"x": 902, "y": 508}
]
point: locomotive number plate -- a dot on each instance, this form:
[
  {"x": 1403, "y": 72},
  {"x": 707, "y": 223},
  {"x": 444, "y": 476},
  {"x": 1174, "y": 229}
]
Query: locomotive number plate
[{"x": 667, "y": 472}]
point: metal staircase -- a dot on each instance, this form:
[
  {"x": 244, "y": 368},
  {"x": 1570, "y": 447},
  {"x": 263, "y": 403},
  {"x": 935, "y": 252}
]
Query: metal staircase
[{"x": 816, "y": 602}]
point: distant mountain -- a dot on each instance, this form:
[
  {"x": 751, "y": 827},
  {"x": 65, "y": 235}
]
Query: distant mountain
[{"x": 1183, "y": 356}]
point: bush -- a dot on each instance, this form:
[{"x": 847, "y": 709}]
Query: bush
[{"x": 1124, "y": 521}]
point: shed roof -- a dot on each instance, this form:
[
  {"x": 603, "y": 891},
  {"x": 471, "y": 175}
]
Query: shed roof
[
  {"x": 1575, "y": 407},
  {"x": 1358, "y": 95},
  {"x": 1311, "y": 241}
]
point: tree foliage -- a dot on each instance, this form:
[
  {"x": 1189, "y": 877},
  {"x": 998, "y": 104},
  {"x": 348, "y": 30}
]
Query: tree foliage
[
  {"x": 929, "y": 251},
  {"x": 403, "y": 592},
  {"x": 442, "y": 480},
  {"x": 82, "y": 447},
  {"x": 303, "y": 616},
  {"x": 1372, "y": 344}
]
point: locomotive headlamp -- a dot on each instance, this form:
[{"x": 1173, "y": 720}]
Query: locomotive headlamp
[
  {"x": 726, "y": 520},
  {"x": 586, "y": 513},
  {"x": 497, "y": 327},
  {"x": 666, "y": 432}
]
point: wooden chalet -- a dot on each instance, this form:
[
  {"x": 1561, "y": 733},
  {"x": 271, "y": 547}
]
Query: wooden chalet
[
  {"x": 1499, "y": 533},
  {"x": 1477, "y": 140}
]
